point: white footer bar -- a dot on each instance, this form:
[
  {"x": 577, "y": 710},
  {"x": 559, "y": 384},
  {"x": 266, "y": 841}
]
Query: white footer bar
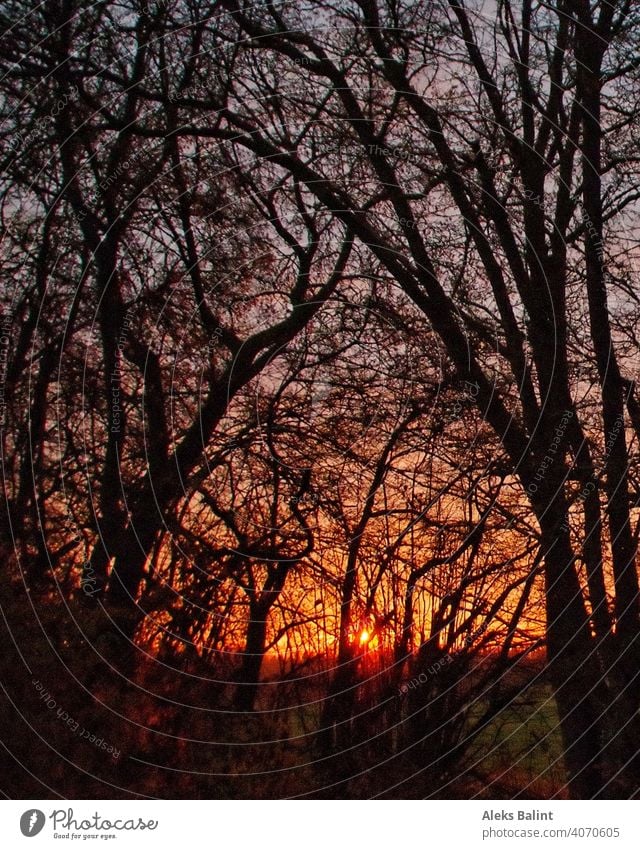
[{"x": 320, "y": 824}]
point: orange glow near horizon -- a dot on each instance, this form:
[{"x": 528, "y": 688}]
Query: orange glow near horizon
[{"x": 365, "y": 636}]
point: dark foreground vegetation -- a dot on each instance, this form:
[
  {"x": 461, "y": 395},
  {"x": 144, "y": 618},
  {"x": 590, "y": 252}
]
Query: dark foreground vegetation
[{"x": 175, "y": 733}]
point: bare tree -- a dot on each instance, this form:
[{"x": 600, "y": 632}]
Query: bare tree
[{"x": 514, "y": 164}]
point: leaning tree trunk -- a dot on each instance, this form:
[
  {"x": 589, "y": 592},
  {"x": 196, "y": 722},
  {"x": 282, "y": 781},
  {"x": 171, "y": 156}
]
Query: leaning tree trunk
[
  {"x": 573, "y": 664},
  {"x": 592, "y": 39}
]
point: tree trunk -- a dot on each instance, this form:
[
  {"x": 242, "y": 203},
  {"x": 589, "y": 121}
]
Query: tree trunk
[
  {"x": 252, "y": 657},
  {"x": 572, "y": 660}
]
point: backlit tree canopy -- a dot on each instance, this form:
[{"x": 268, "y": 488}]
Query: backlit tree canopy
[{"x": 319, "y": 409}]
